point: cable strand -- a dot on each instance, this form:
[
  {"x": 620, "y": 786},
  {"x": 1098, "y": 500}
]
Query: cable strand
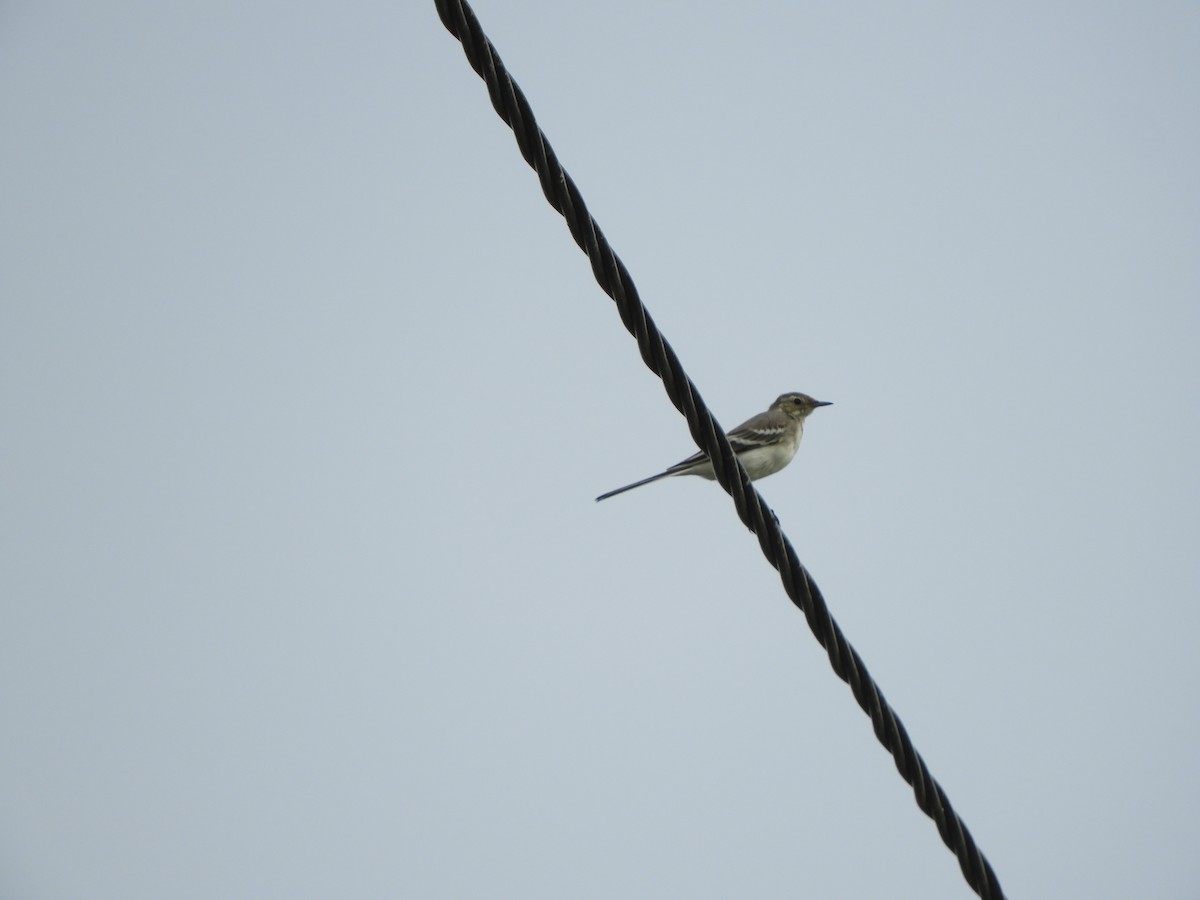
[{"x": 561, "y": 192}]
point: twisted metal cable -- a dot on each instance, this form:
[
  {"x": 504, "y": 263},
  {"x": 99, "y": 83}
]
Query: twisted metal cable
[{"x": 560, "y": 190}]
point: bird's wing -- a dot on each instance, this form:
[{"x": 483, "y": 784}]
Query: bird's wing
[{"x": 758, "y": 431}]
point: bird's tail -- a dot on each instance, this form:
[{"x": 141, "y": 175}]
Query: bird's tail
[{"x": 630, "y": 487}]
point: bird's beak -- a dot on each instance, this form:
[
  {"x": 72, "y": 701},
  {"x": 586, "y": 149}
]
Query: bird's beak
[{"x": 824, "y": 403}]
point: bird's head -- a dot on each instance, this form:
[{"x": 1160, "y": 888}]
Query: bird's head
[{"x": 798, "y": 405}]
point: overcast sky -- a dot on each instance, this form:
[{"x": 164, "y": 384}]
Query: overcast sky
[{"x": 306, "y": 393}]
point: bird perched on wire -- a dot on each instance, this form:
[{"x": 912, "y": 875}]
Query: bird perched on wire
[{"x": 764, "y": 444}]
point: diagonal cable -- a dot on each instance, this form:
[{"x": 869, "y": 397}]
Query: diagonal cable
[{"x": 560, "y": 190}]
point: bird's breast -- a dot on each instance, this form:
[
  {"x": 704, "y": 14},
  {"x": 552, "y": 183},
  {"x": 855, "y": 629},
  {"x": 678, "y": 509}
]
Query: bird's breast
[{"x": 763, "y": 461}]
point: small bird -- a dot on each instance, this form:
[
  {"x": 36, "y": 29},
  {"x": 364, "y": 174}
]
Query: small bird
[{"x": 764, "y": 444}]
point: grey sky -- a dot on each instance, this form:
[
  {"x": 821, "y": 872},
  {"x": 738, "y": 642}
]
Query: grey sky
[{"x": 306, "y": 394}]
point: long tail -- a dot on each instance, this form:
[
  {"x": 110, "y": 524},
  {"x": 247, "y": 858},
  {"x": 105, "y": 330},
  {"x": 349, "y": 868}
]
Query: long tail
[{"x": 630, "y": 487}]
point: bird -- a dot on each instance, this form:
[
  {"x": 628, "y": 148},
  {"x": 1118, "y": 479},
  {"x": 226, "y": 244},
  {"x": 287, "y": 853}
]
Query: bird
[{"x": 764, "y": 443}]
